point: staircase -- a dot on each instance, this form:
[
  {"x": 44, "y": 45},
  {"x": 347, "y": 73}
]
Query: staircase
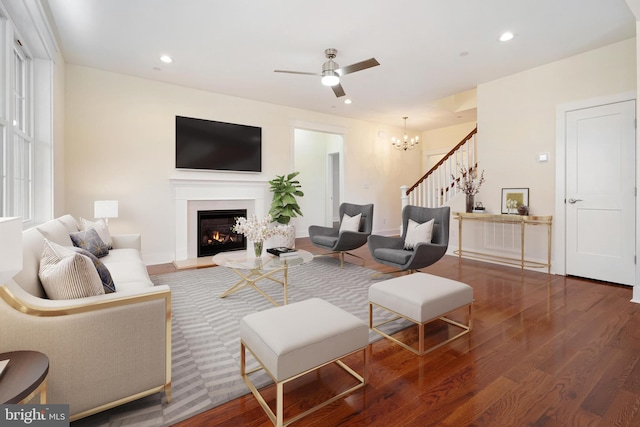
[{"x": 438, "y": 186}]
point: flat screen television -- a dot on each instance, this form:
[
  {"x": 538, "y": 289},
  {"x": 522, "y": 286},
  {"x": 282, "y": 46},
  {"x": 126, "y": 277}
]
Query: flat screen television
[{"x": 211, "y": 145}]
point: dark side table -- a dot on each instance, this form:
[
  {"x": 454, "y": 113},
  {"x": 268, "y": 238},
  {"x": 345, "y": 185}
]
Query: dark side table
[{"x": 24, "y": 377}]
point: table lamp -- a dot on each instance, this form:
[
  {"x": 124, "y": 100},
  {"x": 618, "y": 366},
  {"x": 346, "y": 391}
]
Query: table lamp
[
  {"x": 105, "y": 209},
  {"x": 10, "y": 248}
]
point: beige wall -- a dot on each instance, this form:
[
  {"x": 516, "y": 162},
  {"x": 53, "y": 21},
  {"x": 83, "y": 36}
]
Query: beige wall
[
  {"x": 119, "y": 144},
  {"x": 436, "y": 143},
  {"x": 517, "y": 119}
]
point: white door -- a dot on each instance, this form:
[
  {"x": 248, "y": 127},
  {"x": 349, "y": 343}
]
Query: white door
[{"x": 600, "y": 192}]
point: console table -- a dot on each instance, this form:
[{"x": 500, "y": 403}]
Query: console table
[{"x": 523, "y": 221}]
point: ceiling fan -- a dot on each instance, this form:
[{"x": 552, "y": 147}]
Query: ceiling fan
[{"x": 331, "y": 71}]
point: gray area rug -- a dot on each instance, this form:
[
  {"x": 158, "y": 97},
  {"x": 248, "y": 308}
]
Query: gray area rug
[{"x": 205, "y": 335}]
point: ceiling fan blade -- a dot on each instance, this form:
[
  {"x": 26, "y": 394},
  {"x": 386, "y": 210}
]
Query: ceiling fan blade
[
  {"x": 337, "y": 89},
  {"x": 358, "y": 66},
  {"x": 297, "y": 72}
]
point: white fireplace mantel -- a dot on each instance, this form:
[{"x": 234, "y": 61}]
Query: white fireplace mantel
[{"x": 223, "y": 194}]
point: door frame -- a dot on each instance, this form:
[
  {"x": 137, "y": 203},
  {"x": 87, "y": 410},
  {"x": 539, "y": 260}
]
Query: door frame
[
  {"x": 334, "y": 162},
  {"x": 559, "y": 265},
  {"x": 322, "y": 128}
]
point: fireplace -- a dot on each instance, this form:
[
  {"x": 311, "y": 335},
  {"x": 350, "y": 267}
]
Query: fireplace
[{"x": 215, "y": 233}]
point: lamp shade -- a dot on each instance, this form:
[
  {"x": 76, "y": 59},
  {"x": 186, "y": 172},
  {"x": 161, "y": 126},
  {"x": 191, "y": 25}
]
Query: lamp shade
[
  {"x": 10, "y": 248},
  {"x": 105, "y": 209}
]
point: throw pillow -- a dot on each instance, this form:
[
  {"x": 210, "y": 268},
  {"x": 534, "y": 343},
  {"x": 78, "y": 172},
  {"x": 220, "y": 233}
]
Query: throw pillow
[
  {"x": 417, "y": 233},
  {"x": 103, "y": 271},
  {"x": 101, "y": 227},
  {"x": 66, "y": 274},
  {"x": 90, "y": 241},
  {"x": 350, "y": 223}
]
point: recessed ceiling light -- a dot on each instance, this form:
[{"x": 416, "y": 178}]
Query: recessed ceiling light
[
  {"x": 166, "y": 59},
  {"x": 505, "y": 37},
  {"x": 347, "y": 101},
  {"x": 465, "y": 53}
]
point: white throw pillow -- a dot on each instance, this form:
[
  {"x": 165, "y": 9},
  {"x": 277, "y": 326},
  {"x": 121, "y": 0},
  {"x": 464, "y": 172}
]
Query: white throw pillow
[
  {"x": 101, "y": 227},
  {"x": 417, "y": 233},
  {"x": 66, "y": 274},
  {"x": 350, "y": 223}
]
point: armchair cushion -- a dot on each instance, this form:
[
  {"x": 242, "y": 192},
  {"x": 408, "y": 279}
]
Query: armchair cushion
[
  {"x": 417, "y": 233},
  {"x": 396, "y": 256},
  {"x": 350, "y": 223},
  {"x": 325, "y": 241},
  {"x": 66, "y": 274}
]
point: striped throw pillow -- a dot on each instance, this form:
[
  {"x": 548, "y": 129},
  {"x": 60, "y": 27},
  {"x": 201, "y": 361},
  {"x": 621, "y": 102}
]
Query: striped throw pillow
[{"x": 66, "y": 274}]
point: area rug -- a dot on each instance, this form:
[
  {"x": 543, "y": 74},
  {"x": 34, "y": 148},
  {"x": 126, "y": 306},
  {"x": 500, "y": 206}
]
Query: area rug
[{"x": 205, "y": 335}]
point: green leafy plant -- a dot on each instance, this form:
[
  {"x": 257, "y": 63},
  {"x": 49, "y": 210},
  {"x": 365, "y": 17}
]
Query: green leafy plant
[{"x": 285, "y": 190}]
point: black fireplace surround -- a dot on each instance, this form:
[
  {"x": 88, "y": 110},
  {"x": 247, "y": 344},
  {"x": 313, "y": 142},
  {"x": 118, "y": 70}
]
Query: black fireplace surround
[{"x": 215, "y": 233}]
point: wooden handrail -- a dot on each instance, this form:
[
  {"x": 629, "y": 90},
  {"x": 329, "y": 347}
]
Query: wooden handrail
[{"x": 449, "y": 154}]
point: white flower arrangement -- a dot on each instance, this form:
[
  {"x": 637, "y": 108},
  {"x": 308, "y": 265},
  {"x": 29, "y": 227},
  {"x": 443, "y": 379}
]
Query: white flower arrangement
[
  {"x": 469, "y": 182},
  {"x": 512, "y": 204},
  {"x": 254, "y": 229}
]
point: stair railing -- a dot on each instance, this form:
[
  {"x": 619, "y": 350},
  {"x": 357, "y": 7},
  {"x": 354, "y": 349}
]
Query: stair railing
[{"x": 438, "y": 186}]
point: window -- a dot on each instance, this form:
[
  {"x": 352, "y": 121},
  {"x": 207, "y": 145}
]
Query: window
[
  {"x": 27, "y": 70},
  {"x": 18, "y": 163}
]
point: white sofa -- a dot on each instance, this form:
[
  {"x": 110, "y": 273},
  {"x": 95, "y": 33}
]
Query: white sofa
[{"x": 103, "y": 350}]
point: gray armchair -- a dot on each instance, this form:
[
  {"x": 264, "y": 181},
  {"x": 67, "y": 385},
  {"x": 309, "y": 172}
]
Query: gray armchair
[
  {"x": 390, "y": 250},
  {"x": 331, "y": 239}
]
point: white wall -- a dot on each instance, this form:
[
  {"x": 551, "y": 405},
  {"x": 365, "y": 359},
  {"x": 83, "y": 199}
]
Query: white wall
[
  {"x": 516, "y": 121},
  {"x": 311, "y": 151},
  {"x": 120, "y": 138}
]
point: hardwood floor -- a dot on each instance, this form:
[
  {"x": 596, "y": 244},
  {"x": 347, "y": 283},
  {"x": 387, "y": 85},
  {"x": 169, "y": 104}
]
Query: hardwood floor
[{"x": 544, "y": 351}]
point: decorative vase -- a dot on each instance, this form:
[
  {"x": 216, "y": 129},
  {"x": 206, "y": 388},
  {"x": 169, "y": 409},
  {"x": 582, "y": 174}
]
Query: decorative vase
[
  {"x": 257, "y": 248},
  {"x": 469, "y": 207}
]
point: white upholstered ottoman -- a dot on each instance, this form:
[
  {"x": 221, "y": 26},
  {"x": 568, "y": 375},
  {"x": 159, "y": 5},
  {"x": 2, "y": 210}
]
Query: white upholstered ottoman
[
  {"x": 292, "y": 340},
  {"x": 421, "y": 298}
]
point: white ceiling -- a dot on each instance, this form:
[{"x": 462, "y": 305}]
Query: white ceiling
[{"x": 232, "y": 47}]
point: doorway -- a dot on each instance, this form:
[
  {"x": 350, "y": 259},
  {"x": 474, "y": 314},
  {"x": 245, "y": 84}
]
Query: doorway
[
  {"x": 333, "y": 187},
  {"x": 318, "y": 156},
  {"x": 599, "y": 202}
]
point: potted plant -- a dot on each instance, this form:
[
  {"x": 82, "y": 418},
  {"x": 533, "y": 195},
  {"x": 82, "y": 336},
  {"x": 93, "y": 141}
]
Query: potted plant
[{"x": 285, "y": 189}]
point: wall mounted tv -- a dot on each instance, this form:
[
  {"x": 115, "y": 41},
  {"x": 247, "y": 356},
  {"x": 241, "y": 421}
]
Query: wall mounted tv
[{"x": 206, "y": 144}]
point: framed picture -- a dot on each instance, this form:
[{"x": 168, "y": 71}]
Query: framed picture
[{"x": 512, "y": 198}]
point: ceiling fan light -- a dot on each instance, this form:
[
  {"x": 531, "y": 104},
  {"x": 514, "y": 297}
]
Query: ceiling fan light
[{"x": 330, "y": 78}]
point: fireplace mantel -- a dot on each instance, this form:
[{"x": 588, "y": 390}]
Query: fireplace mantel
[{"x": 189, "y": 194}]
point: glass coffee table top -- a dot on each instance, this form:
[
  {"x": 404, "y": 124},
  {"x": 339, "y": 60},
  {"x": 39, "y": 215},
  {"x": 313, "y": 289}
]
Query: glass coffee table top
[
  {"x": 247, "y": 261},
  {"x": 251, "y": 269}
]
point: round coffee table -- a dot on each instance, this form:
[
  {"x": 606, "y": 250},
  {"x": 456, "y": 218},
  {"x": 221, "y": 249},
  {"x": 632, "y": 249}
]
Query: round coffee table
[
  {"x": 252, "y": 269},
  {"x": 24, "y": 376}
]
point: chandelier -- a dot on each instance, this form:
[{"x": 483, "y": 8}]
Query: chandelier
[{"x": 405, "y": 143}]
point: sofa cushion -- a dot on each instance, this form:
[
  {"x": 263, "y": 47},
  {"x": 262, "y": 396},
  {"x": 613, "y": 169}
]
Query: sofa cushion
[
  {"x": 69, "y": 223},
  {"x": 127, "y": 269},
  {"x": 103, "y": 271},
  {"x": 66, "y": 274},
  {"x": 91, "y": 241},
  {"x": 55, "y": 231},
  {"x": 32, "y": 244},
  {"x": 101, "y": 227}
]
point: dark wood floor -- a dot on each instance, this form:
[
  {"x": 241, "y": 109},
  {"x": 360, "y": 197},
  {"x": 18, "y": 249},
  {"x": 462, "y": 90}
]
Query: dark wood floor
[{"x": 545, "y": 351}]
